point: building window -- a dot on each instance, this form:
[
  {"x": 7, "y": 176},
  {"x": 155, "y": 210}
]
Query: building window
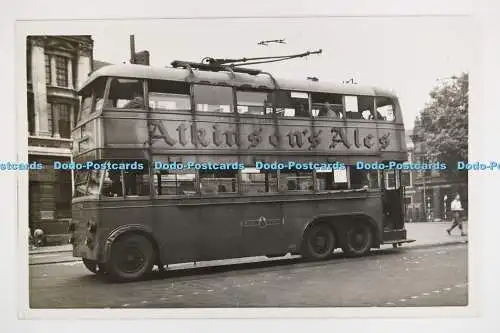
[
  {"x": 28, "y": 64},
  {"x": 64, "y": 123},
  {"x": 48, "y": 74},
  {"x": 50, "y": 118},
  {"x": 406, "y": 179},
  {"x": 31, "y": 115},
  {"x": 62, "y": 71}
]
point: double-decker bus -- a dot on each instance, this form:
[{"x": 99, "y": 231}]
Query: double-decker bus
[{"x": 203, "y": 163}]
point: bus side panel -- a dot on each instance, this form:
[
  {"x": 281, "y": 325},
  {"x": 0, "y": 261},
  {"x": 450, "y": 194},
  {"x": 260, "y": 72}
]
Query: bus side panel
[
  {"x": 197, "y": 231},
  {"x": 177, "y": 230},
  {"x": 83, "y": 213},
  {"x": 118, "y": 213},
  {"x": 219, "y": 228},
  {"x": 298, "y": 214},
  {"x": 262, "y": 228}
]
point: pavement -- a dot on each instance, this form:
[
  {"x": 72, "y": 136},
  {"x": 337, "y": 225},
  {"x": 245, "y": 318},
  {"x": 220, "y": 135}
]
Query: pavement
[{"x": 425, "y": 234}]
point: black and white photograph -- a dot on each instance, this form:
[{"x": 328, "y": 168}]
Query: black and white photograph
[{"x": 311, "y": 162}]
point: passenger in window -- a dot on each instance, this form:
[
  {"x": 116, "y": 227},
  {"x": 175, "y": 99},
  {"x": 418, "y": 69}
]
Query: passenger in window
[
  {"x": 301, "y": 111},
  {"x": 367, "y": 115},
  {"x": 359, "y": 179},
  {"x": 137, "y": 102},
  {"x": 328, "y": 111},
  {"x": 116, "y": 185}
]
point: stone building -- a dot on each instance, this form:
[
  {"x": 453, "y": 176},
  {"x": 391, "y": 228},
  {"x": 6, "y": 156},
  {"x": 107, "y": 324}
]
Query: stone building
[{"x": 56, "y": 66}]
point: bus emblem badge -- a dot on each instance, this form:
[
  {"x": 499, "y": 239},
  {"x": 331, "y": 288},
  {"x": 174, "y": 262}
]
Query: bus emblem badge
[{"x": 262, "y": 222}]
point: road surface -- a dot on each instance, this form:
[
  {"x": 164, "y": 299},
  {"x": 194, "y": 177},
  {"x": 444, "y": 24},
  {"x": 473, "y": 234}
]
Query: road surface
[{"x": 434, "y": 276}]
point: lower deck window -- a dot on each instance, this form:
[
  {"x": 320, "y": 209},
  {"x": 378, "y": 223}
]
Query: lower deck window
[
  {"x": 363, "y": 179},
  {"x": 112, "y": 184},
  {"x": 331, "y": 180},
  {"x": 218, "y": 182},
  {"x": 175, "y": 184},
  {"x": 254, "y": 181},
  {"x": 296, "y": 181},
  {"x": 137, "y": 183}
]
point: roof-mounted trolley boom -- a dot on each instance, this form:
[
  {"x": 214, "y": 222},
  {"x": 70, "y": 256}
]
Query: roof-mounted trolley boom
[
  {"x": 213, "y": 68},
  {"x": 231, "y": 65}
]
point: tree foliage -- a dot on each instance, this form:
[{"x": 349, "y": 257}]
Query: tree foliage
[{"x": 441, "y": 128}]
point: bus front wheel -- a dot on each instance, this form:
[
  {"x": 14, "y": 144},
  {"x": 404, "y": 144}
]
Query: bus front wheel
[
  {"x": 358, "y": 240},
  {"x": 94, "y": 267},
  {"x": 319, "y": 242},
  {"x": 132, "y": 256}
]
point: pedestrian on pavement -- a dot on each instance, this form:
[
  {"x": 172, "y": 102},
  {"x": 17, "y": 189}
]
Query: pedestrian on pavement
[{"x": 456, "y": 208}]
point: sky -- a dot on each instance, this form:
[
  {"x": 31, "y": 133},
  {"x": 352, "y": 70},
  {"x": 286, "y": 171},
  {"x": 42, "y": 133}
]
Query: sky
[{"x": 409, "y": 55}]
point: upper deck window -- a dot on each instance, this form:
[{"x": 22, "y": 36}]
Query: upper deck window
[
  {"x": 359, "y": 107},
  {"x": 292, "y": 104},
  {"x": 126, "y": 94},
  {"x": 253, "y": 102},
  {"x": 168, "y": 95},
  {"x": 327, "y": 105},
  {"x": 92, "y": 99},
  {"x": 385, "y": 109},
  {"x": 86, "y": 107},
  {"x": 213, "y": 98}
]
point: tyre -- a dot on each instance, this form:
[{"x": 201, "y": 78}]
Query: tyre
[
  {"x": 358, "y": 240},
  {"x": 94, "y": 267},
  {"x": 132, "y": 256},
  {"x": 91, "y": 265},
  {"x": 318, "y": 243}
]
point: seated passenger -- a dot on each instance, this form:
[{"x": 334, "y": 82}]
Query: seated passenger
[
  {"x": 301, "y": 112},
  {"x": 328, "y": 111},
  {"x": 137, "y": 102}
]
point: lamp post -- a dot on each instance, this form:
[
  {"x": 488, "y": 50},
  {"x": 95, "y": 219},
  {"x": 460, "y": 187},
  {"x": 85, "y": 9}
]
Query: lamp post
[{"x": 445, "y": 199}]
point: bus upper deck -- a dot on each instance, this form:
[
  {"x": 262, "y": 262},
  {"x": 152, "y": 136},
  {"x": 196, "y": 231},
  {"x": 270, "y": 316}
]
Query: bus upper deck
[{"x": 130, "y": 111}]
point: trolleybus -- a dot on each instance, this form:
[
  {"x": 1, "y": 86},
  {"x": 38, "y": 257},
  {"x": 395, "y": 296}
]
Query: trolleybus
[{"x": 188, "y": 163}]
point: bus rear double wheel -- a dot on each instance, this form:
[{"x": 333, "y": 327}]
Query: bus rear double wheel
[
  {"x": 132, "y": 256},
  {"x": 358, "y": 239},
  {"x": 319, "y": 242}
]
